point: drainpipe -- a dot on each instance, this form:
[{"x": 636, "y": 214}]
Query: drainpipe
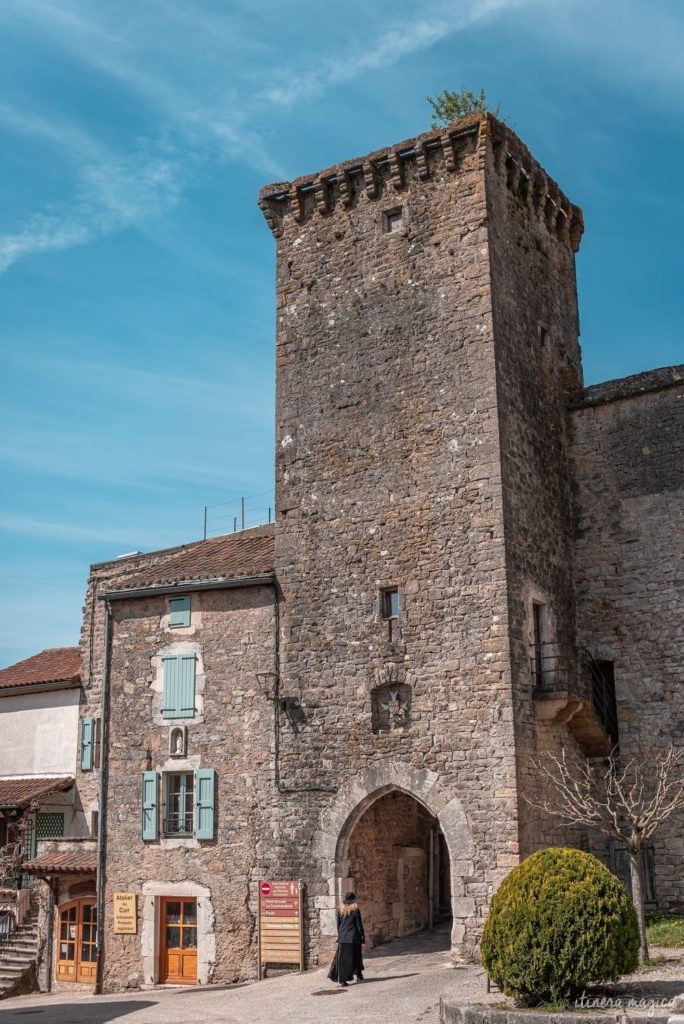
[{"x": 101, "y": 816}]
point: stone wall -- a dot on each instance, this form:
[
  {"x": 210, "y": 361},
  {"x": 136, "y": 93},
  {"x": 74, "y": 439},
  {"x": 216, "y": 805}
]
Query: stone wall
[
  {"x": 533, "y": 236},
  {"x": 233, "y": 632},
  {"x": 628, "y": 459}
]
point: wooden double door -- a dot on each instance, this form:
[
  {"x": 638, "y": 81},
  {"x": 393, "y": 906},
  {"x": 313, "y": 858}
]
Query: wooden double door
[
  {"x": 77, "y": 941},
  {"x": 178, "y": 940}
]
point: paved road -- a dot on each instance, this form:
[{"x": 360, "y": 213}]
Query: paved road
[{"x": 404, "y": 981}]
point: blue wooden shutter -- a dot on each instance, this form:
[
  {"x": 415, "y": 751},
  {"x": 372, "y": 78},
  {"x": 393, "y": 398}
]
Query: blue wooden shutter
[
  {"x": 178, "y": 699},
  {"x": 204, "y": 803},
  {"x": 179, "y": 608},
  {"x": 150, "y": 796},
  {"x": 87, "y": 737}
]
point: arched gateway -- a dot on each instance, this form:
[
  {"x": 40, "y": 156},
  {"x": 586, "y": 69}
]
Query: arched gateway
[{"x": 421, "y": 800}]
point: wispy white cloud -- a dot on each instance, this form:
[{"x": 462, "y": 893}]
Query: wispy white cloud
[
  {"x": 111, "y": 195},
  {"x": 433, "y": 23}
]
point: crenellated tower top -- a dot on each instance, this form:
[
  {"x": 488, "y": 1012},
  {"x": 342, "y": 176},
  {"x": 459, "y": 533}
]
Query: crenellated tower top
[{"x": 426, "y": 155}]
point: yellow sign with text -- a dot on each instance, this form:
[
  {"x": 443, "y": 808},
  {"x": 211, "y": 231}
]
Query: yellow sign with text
[{"x": 125, "y": 913}]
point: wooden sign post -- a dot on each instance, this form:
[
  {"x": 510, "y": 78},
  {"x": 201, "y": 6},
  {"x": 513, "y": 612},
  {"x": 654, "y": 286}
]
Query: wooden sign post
[{"x": 281, "y": 932}]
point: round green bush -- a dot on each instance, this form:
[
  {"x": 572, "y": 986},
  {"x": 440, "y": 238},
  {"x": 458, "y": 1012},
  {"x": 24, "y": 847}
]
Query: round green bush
[{"x": 558, "y": 921}]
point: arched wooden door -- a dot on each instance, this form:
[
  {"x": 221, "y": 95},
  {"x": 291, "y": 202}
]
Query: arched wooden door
[
  {"x": 77, "y": 941},
  {"x": 178, "y": 940}
]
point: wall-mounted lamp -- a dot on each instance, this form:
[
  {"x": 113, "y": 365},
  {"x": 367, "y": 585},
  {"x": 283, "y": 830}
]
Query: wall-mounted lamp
[
  {"x": 268, "y": 684},
  {"x": 148, "y": 759}
]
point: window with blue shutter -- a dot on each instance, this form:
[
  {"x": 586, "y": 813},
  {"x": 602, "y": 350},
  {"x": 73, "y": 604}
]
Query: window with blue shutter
[
  {"x": 87, "y": 743},
  {"x": 178, "y": 699},
  {"x": 150, "y": 796},
  {"x": 204, "y": 803},
  {"x": 179, "y": 611}
]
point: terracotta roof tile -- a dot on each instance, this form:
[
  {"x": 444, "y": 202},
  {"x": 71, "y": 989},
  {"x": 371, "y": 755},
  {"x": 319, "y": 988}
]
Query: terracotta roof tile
[
  {"x": 71, "y": 862},
  {"x": 57, "y": 664},
  {"x": 231, "y": 558},
  {"x": 16, "y": 792}
]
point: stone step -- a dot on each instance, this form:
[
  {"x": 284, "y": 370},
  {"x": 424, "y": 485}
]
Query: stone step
[
  {"x": 17, "y": 956},
  {"x": 28, "y": 946}
]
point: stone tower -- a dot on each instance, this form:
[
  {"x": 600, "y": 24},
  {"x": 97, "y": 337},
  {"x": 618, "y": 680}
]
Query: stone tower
[{"x": 427, "y": 339}]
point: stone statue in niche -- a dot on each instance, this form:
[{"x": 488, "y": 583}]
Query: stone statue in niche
[{"x": 177, "y": 742}]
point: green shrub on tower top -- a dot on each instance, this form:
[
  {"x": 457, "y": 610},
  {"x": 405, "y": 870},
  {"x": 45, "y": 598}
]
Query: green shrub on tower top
[{"x": 558, "y": 922}]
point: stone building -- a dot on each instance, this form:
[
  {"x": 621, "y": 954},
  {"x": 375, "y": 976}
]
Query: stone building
[{"x": 474, "y": 562}]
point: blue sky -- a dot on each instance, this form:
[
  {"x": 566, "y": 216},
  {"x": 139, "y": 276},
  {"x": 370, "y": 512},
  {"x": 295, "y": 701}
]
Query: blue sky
[{"x": 136, "y": 274}]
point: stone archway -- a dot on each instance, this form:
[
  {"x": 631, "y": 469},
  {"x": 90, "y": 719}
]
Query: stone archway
[{"x": 353, "y": 800}]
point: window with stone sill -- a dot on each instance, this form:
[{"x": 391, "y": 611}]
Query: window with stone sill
[{"x": 389, "y": 610}]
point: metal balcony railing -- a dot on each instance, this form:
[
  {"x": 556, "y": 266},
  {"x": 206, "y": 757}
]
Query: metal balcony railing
[
  {"x": 178, "y": 825},
  {"x": 602, "y": 680},
  {"x": 550, "y": 669}
]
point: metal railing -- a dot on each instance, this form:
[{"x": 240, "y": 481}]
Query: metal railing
[
  {"x": 178, "y": 825},
  {"x": 550, "y": 669},
  {"x": 8, "y": 925},
  {"x": 603, "y": 698},
  {"x": 239, "y": 514}
]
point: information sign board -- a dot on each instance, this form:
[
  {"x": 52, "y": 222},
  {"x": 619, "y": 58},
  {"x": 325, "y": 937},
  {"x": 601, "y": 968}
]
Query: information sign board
[
  {"x": 280, "y": 924},
  {"x": 125, "y": 913}
]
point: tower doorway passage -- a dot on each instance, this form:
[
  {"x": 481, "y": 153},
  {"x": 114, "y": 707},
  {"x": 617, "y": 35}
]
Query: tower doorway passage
[{"x": 398, "y": 865}]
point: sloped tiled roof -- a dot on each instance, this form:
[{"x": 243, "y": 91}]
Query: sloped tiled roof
[
  {"x": 231, "y": 558},
  {"x": 17, "y": 792},
  {"x": 70, "y": 862},
  {"x": 56, "y": 664}
]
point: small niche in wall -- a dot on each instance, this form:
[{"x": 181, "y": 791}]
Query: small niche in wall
[
  {"x": 178, "y": 740},
  {"x": 390, "y": 707},
  {"x": 392, "y": 220}
]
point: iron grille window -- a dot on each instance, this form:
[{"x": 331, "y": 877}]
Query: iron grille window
[
  {"x": 49, "y": 825},
  {"x": 603, "y": 697},
  {"x": 180, "y": 792}
]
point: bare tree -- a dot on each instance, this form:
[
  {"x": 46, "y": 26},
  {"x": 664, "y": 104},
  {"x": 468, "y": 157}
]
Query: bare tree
[
  {"x": 12, "y": 855},
  {"x": 627, "y": 802}
]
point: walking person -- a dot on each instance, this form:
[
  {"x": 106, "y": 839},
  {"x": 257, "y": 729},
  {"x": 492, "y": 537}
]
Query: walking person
[{"x": 350, "y": 938}]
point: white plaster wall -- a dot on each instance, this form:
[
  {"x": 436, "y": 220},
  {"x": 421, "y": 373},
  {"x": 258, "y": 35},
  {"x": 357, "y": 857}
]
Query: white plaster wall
[{"x": 39, "y": 733}]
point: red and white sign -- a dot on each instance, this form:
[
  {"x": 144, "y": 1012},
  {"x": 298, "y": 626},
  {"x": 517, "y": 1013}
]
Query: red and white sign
[{"x": 280, "y": 924}]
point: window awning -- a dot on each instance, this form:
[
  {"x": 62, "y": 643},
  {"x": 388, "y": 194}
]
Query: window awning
[{"x": 64, "y": 862}]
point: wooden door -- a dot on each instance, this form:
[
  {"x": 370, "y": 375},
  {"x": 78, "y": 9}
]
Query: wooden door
[
  {"x": 178, "y": 941},
  {"x": 77, "y": 941}
]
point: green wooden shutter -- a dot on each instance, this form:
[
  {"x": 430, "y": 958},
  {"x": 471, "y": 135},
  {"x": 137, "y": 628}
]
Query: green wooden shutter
[
  {"x": 178, "y": 700},
  {"x": 204, "y": 803},
  {"x": 179, "y": 609},
  {"x": 87, "y": 737},
  {"x": 150, "y": 796}
]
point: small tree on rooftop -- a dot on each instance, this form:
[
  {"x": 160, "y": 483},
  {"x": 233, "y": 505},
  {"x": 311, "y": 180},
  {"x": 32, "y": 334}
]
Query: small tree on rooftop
[
  {"x": 451, "y": 106},
  {"x": 627, "y": 802}
]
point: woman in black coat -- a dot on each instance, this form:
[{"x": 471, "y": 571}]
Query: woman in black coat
[{"x": 350, "y": 938}]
